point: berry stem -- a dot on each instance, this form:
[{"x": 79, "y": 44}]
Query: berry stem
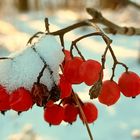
[
  {"x": 83, "y": 115},
  {"x": 108, "y": 41},
  {"x": 62, "y": 41},
  {"x": 74, "y": 44},
  {"x": 126, "y": 68}
]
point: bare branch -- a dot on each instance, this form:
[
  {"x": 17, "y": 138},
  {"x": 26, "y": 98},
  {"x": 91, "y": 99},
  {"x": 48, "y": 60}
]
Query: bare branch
[
  {"x": 4, "y": 58},
  {"x": 110, "y": 26}
]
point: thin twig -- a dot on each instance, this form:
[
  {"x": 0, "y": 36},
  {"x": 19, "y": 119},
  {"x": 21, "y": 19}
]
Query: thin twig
[
  {"x": 108, "y": 42},
  {"x": 4, "y": 58},
  {"x": 83, "y": 115},
  {"x": 45, "y": 65},
  {"x": 34, "y": 36},
  {"x": 47, "y": 24},
  {"x": 74, "y": 43},
  {"x": 41, "y": 73},
  {"x": 61, "y": 36}
]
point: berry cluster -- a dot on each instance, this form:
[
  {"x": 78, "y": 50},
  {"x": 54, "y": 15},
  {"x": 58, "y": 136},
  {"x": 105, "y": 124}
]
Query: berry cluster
[
  {"x": 68, "y": 112},
  {"x": 128, "y": 85},
  {"x": 75, "y": 70},
  {"x": 19, "y": 100},
  {"x": 56, "y": 96}
]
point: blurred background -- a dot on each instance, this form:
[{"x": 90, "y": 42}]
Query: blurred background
[{"x": 20, "y": 19}]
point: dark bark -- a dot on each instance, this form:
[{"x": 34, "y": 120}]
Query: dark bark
[{"x": 113, "y": 4}]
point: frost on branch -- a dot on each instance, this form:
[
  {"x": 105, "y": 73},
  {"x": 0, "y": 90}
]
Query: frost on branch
[{"x": 25, "y": 65}]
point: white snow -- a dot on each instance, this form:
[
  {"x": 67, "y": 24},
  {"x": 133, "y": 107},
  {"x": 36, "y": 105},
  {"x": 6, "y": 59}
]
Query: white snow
[
  {"x": 26, "y": 65},
  {"x": 5, "y": 72},
  {"x": 52, "y": 53}
]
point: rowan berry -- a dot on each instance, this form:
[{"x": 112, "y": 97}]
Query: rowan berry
[
  {"x": 90, "y": 111},
  {"x": 21, "y": 100},
  {"x": 71, "y": 70},
  {"x": 70, "y": 113},
  {"x": 54, "y": 114},
  {"x": 129, "y": 83},
  {"x": 110, "y": 93},
  {"x": 89, "y": 71}
]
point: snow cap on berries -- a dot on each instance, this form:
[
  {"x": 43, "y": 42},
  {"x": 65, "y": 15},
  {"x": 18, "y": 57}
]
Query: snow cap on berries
[{"x": 23, "y": 69}]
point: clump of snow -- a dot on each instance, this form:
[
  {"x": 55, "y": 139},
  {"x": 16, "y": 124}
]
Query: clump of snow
[
  {"x": 51, "y": 51},
  {"x": 23, "y": 69},
  {"x": 5, "y": 71}
]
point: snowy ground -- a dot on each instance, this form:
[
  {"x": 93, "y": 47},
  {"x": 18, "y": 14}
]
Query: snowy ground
[{"x": 118, "y": 122}]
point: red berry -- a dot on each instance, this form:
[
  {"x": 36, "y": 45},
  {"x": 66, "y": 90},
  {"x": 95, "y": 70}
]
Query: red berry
[
  {"x": 54, "y": 114},
  {"x": 71, "y": 70},
  {"x": 129, "y": 83},
  {"x": 90, "y": 111},
  {"x": 70, "y": 113},
  {"x": 65, "y": 87},
  {"x": 89, "y": 71},
  {"x": 67, "y": 55},
  {"x": 50, "y": 103},
  {"x": 4, "y": 99},
  {"x": 139, "y": 86},
  {"x": 110, "y": 93},
  {"x": 20, "y": 99}
]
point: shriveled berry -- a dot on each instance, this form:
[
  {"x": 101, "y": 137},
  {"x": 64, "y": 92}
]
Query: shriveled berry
[
  {"x": 90, "y": 111},
  {"x": 4, "y": 99},
  {"x": 40, "y": 94},
  {"x": 89, "y": 71},
  {"x": 54, "y": 114},
  {"x": 70, "y": 113},
  {"x": 69, "y": 100},
  {"x": 20, "y": 99},
  {"x": 129, "y": 83},
  {"x": 71, "y": 70},
  {"x": 110, "y": 93}
]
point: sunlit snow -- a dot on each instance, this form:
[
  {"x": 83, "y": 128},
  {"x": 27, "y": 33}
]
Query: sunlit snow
[{"x": 24, "y": 67}]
